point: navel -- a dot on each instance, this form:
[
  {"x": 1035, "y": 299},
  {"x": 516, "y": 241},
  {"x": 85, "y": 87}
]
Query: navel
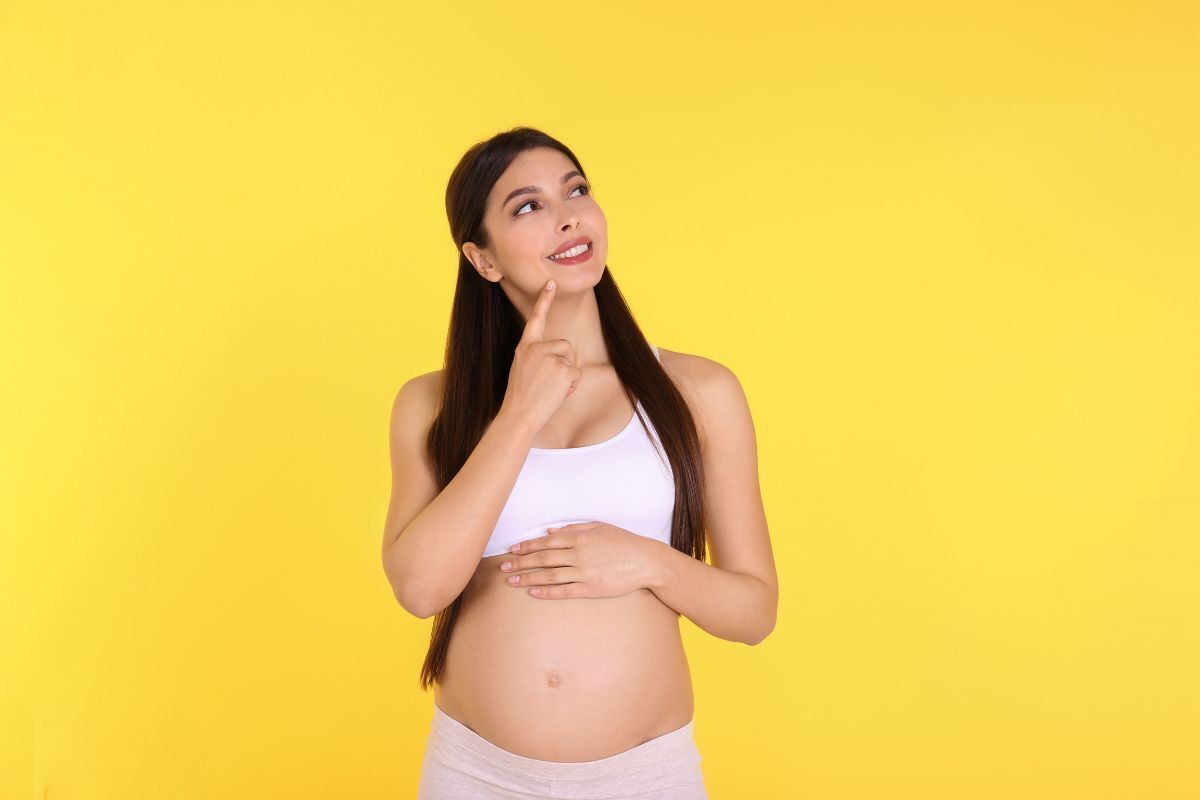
[{"x": 553, "y": 680}]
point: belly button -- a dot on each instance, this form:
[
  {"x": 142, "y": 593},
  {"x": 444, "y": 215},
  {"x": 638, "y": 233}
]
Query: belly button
[{"x": 553, "y": 680}]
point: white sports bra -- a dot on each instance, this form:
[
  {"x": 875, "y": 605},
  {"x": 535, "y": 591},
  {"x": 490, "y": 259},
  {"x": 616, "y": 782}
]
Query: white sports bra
[{"x": 625, "y": 481}]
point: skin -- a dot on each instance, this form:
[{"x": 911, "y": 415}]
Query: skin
[{"x": 592, "y": 664}]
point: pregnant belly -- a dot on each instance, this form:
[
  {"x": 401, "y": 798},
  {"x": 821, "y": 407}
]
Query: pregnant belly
[{"x": 571, "y": 679}]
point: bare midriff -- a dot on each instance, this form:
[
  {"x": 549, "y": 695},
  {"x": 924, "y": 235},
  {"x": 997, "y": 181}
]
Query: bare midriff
[{"x": 566, "y": 679}]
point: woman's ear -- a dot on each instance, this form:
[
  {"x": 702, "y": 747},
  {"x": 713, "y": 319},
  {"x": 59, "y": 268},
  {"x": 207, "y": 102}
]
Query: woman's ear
[{"x": 483, "y": 265}]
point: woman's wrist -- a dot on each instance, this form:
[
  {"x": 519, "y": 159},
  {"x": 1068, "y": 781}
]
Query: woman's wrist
[{"x": 515, "y": 426}]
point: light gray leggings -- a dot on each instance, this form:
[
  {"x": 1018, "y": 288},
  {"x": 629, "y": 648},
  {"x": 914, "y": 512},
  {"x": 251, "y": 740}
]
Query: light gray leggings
[{"x": 459, "y": 764}]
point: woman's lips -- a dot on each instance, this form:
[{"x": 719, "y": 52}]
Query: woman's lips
[
  {"x": 579, "y": 259},
  {"x": 572, "y": 243}
]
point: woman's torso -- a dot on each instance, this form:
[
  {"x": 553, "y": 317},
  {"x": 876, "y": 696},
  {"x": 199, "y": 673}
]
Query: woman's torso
[{"x": 570, "y": 679}]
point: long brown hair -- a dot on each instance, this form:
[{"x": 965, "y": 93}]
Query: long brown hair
[{"x": 484, "y": 330}]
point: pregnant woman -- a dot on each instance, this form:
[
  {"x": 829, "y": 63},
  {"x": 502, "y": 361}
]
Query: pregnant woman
[{"x": 555, "y": 490}]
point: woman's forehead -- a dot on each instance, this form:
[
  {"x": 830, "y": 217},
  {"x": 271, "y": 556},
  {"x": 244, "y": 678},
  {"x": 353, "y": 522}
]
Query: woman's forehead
[{"x": 535, "y": 166}]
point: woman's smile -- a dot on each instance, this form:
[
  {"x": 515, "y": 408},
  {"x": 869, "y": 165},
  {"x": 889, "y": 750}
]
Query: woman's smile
[{"x": 575, "y": 255}]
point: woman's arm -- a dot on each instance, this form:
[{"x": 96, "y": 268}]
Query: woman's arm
[
  {"x": 737, "y": 596},
  {"x": 730, "y": 605},
  {"x": 432, "y": 541}
]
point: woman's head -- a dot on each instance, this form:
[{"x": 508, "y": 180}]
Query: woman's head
[{"x": 515, "y": 199}]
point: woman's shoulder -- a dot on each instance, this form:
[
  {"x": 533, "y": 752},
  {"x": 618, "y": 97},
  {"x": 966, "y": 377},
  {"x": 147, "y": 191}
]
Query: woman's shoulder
[
  {"x": 710, "y": 387},
  {"x": 416, "y": 404},
  {"x": 700, "y": 373},
  {"x": 424, "y": 387}
]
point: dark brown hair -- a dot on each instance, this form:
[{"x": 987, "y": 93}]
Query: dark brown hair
[{"x": 484, "y": 330}]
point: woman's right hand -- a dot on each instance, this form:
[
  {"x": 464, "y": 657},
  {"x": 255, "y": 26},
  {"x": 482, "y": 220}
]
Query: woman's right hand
[{"x": 543, "y": 371}]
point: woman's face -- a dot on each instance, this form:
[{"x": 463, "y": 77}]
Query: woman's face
[{"x": 540, "y": 203}]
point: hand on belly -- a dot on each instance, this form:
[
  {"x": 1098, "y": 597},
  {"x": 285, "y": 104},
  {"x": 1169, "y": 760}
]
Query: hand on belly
[
  {"x": 511, "y": 639},
  {"x": 582, "y": 560}
]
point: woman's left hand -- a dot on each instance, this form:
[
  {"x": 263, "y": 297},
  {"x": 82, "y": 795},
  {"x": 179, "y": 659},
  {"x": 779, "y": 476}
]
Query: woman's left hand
[{"x": 585, "y": 559}]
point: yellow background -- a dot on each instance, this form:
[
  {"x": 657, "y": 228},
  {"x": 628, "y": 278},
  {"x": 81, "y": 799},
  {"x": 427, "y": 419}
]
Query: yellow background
[{"x": 951, "y": 253}]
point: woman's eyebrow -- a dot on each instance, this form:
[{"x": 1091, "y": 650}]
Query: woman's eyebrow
[{"x": 536, "y": 189}]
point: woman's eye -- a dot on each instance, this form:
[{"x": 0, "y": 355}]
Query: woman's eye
[{"x": 584, "y": 186}]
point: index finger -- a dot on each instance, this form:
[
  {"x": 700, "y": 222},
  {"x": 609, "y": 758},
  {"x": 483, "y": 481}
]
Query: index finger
[
  {"x": 548, "y": 542},
  {"x": 537, "y": 317}
]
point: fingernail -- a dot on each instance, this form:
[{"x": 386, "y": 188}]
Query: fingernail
[
  {"x": 506, "y": 565},
  {"x": 514, "y": 548},
  {"x": 535, "y": 590},
  {"x": 549, "y": 285},
  {"x": 514, "y": 578}
]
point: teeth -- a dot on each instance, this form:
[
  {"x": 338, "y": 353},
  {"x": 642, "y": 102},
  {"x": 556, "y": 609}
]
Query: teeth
[{"x": 574, "y": 251}]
